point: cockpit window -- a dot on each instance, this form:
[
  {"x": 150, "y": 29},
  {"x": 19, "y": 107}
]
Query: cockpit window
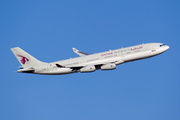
[{"x": 162, "y": 45}]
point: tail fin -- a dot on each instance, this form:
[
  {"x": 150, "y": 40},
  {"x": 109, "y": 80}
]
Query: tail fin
[{"x": 25, "y": 59}]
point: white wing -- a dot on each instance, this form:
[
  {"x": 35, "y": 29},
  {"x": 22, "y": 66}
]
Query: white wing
[
  {"x": 80, "y": 53},
  {"x": 117, "y": 61}
]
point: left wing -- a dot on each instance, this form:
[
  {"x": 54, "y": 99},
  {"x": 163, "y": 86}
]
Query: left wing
[
  {"x": 80, "y": 53},
  {"x": 117, "y": 61}
]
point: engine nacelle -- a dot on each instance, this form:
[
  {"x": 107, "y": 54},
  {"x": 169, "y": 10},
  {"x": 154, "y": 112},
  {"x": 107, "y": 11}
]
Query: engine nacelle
[
  {"x": 88, "y": 69},
  {"x": 109, "y": 66}
]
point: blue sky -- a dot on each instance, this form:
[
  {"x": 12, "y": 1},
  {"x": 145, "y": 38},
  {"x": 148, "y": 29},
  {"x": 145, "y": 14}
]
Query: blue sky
[{"x": 141, "y": 90}]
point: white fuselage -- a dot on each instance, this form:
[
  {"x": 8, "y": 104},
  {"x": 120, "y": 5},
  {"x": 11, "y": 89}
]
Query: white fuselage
[{"x": 92, "y": 62}]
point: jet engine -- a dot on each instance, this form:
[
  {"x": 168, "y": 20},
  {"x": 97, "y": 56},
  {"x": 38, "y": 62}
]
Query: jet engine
[
  {"x": 109, "y": 66},
  {"x": 88, "y": 69}
]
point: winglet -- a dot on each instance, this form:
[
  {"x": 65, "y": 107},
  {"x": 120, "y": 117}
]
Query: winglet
[{"x": 80, "y": 53}]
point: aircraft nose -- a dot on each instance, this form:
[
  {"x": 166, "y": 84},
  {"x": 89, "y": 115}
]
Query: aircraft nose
[{"x": 167, "y": 47}]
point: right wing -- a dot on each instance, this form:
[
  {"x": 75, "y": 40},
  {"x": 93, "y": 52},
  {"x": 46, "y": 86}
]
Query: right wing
[{"x": 80, "y": 53}]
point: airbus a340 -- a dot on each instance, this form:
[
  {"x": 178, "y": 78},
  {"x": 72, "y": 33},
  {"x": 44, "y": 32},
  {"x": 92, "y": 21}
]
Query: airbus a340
[{"x": 87, "y": 62}]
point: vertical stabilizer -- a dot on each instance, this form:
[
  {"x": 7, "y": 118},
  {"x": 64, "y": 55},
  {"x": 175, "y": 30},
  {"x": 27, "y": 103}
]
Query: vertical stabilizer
[{"x": 25, "y": 59}]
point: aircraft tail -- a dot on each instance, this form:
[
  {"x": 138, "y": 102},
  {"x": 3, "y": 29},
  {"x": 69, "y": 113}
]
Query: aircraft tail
[{"x": 25, "y": 59}]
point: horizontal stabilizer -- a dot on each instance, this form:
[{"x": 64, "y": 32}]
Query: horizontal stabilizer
[
  {"x": 30, "y": 70},
  {"x": 60, "y": 66}
]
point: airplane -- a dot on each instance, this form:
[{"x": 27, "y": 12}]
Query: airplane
[{"x": 87, "y": 62}]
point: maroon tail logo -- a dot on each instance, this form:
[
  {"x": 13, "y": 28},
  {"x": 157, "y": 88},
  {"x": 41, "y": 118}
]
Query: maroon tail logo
[{"x": 24, "y": 59}]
